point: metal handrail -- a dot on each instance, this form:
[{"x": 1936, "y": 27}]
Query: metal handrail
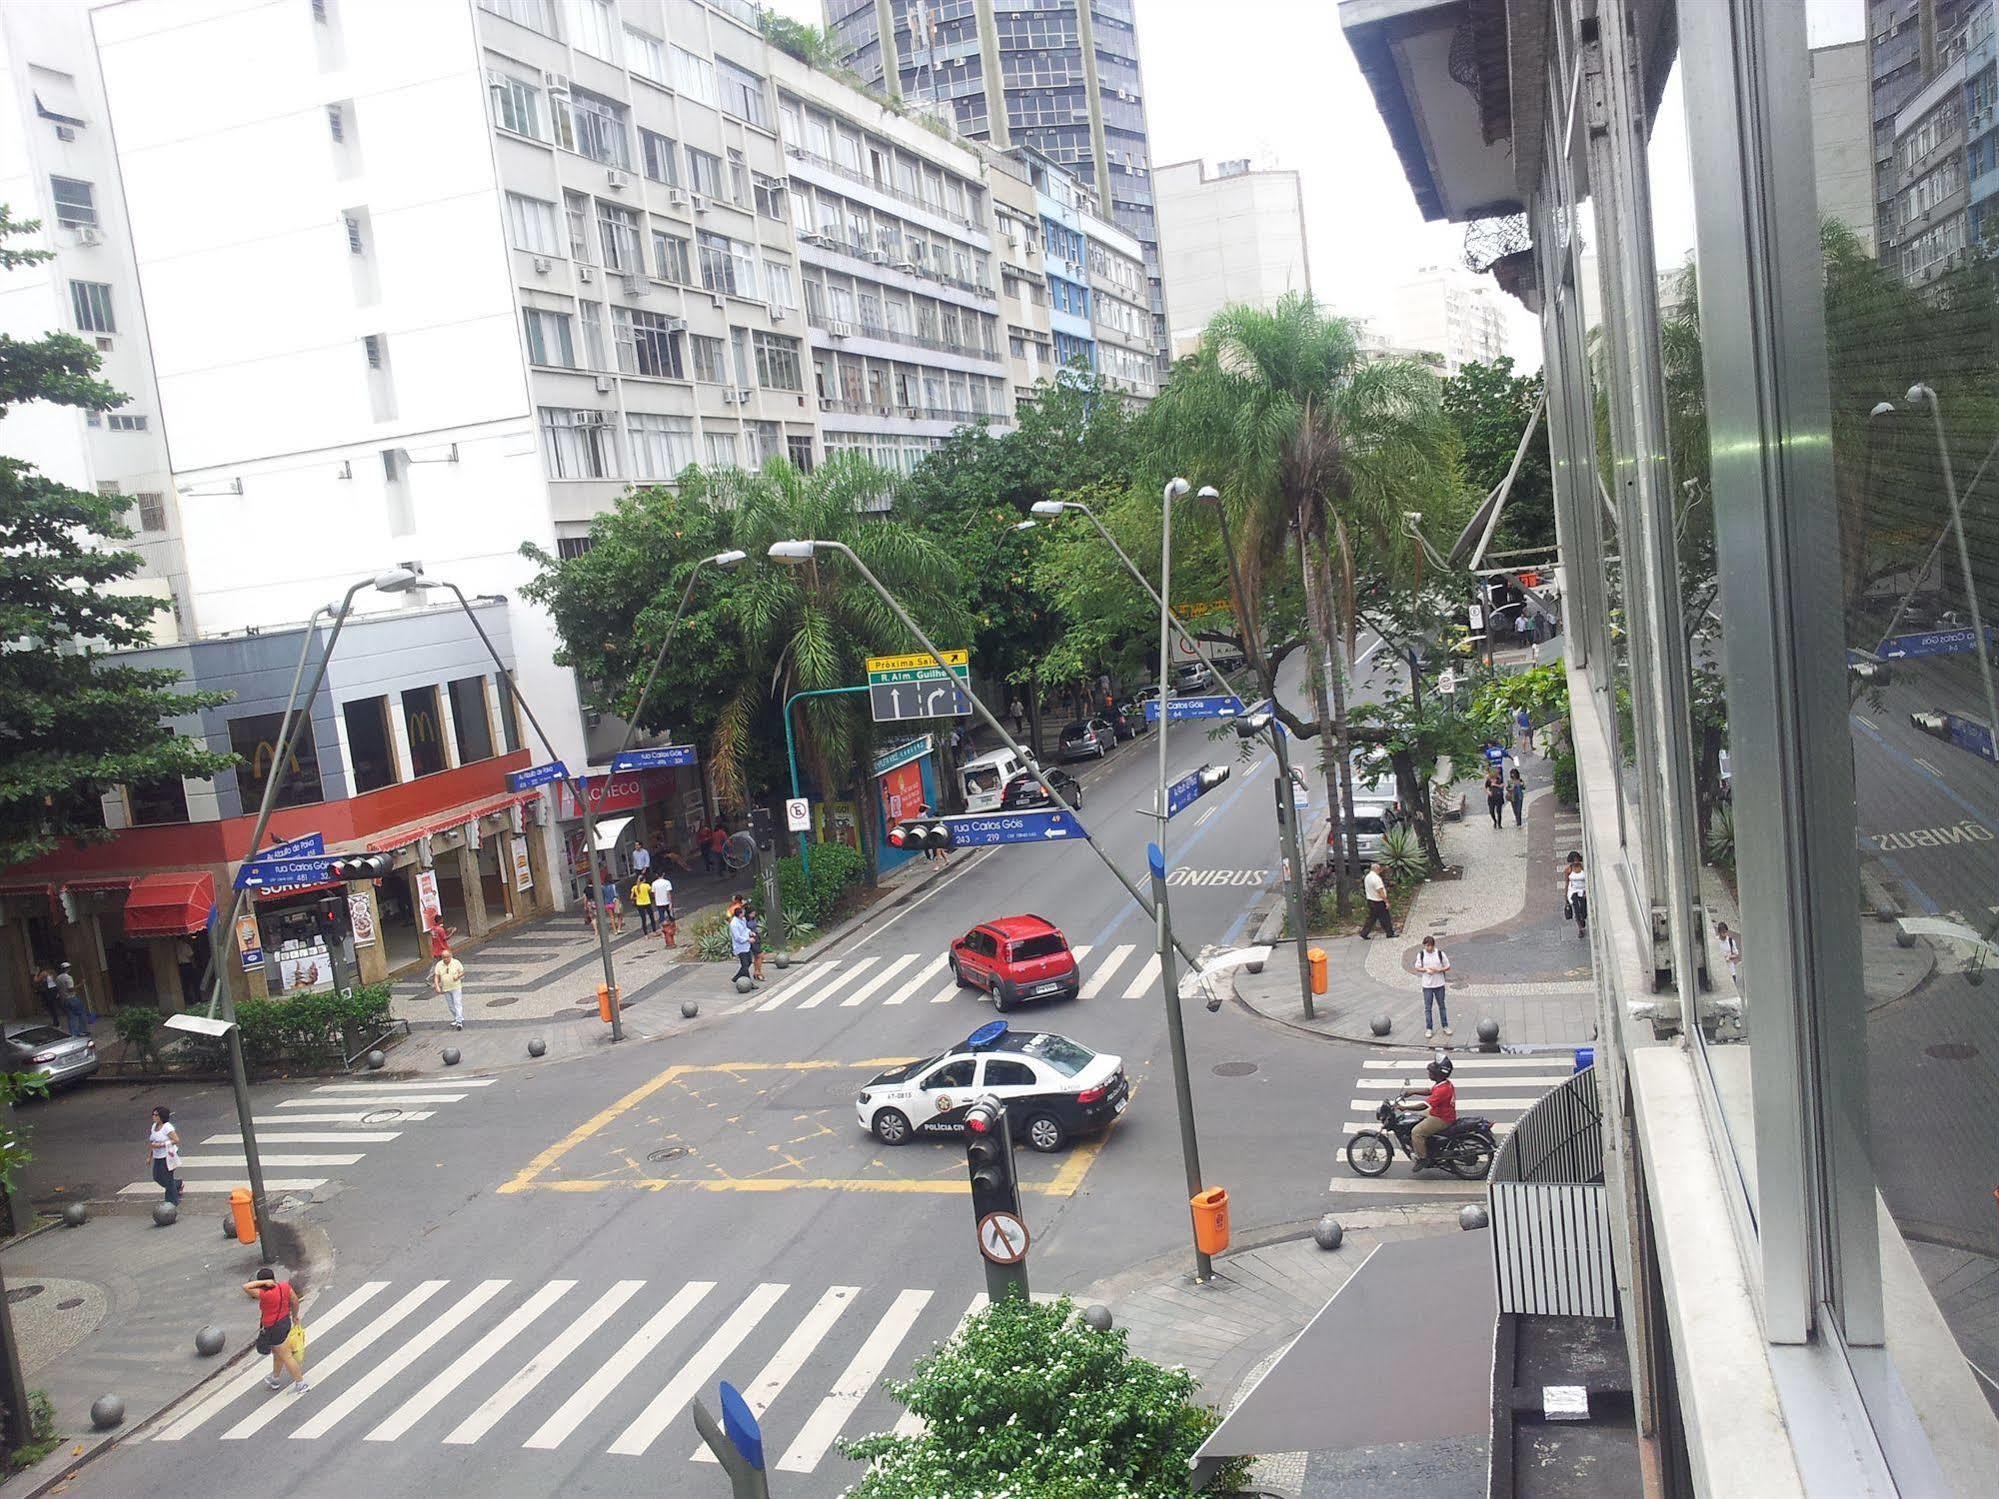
[{"x": 1559, "y": 1139}]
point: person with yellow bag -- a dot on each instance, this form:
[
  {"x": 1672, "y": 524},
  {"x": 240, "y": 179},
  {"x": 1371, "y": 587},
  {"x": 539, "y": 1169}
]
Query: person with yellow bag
[{"x": 280, "y": 1333}]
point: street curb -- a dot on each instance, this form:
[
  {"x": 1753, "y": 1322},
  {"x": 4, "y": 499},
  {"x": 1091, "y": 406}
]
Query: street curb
[{"x": 1390, "y": 1043}]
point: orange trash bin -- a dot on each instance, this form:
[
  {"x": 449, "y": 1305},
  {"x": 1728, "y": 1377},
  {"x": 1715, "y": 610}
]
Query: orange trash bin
[
  {"x": 1211, "y": 1219},
  {"x": 604, "y": 1003},
  {"x": 1316, "y": 957},
  {"x": 244, "y": 1213}
]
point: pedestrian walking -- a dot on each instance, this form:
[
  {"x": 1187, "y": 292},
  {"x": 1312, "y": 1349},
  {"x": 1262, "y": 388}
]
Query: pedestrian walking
[
  {"x": 1516, "y": 793},
  {"x": 1376, "y": 889},
  {"x": 1522, "y": 627},
  {"x": 1018, "y": 714},
  {"x": 1731, "y": 951},
  {"x": 589, "y": 913},
  {"x": 642, "y": 903},
  {"x": 1495, "y": 796},
  {"x": 439, "y": 933},
  {"x": 163, "y": 1145},
  {"x": 447, "y": 977},
  {"x": 739, "y": 939},
  {"x": 1523, "y": 730},
  {"x": 641, "y": 858},
  {"x": 50, "y": 996},
  {"x": 279, "y": 1332},
  {"x": 614, "y": 909},
  {"x": 703, "y": 840},
  {"x": 1434, "y": 964},
  {"x": 718, "y": 847},
  {"x": 1575, "y": 894},
  {"x": 662, "y": 904},
  {"x": 756, "y": 921},
  {"x": 75, "y": 1008},
  {"x": 184, "y": 961}
]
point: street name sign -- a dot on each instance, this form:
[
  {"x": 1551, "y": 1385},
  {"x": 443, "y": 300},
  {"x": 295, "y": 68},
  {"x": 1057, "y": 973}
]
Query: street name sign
[
  {"x": 665, "y": 757},
  {"x": 1178, "y": 708},
  {"x": 264, "y": 873},
  {"x": 308, "y": 845},
  {"x": 536, "y": 775},
  {"x": 1931, "y": 643},
  {"x": 983, "y": 829}
]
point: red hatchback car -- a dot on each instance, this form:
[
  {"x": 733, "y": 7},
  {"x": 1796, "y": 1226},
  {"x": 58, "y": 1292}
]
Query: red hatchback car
[{"x": 1016, "y": 958}]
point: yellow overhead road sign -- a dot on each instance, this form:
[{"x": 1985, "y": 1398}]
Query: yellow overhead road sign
[{"x": 917, "y": 662}]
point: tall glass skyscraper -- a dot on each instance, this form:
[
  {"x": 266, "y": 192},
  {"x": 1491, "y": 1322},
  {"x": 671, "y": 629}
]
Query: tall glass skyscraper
[{"x": 1060, "y": 76}]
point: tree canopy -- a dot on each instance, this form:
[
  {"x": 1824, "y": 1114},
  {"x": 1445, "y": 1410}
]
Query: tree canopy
[{"x": 1489, "y": 407}]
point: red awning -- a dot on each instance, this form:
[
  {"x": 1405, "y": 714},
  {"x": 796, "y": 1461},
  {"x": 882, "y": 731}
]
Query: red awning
[{"x": 169, "y": 905}]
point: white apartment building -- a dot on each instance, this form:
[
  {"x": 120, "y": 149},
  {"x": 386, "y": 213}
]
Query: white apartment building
[
  {"x": 1120, "y": 308},
  {"x": 897, "y": 267},
  {"x": 1030, "y": 338},
  {"x": 1450, "y": 312},
  {"x": 1237, "y": 237}
]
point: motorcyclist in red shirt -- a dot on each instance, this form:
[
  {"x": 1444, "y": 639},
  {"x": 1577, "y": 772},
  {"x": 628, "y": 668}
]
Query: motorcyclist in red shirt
[{"x": 1439, "y": 1106}]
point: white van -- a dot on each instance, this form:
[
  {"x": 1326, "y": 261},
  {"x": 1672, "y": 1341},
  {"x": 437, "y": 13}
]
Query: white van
[{"x": 981, "y": 780}]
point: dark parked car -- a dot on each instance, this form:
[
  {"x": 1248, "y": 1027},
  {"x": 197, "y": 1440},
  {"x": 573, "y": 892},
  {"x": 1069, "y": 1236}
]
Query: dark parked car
[
  {"x": 1130, "y": 718},
  {"x": 1088, "y": 739},
  {"x": 1024, "y": 793}
]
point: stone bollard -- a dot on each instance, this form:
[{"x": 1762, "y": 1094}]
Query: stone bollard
[
  {"x": 1488, "y": 1031},
  {"x": 1098, "y": 1317},
  {"x": 783, "y": 960},
  {"x": 689, "y": 1009},
  {"x": 1328, "y": 1232},
  {"x": 165, "y": 1214},
  {"x": 106, "y": 1411},
  {"x": 75, "y": 1215},
  {"x": 1381, "y": 1025},
  {"x": 1473, "y": 1216},
  {"x": 450, "y": 1055},
  {"x": 745, "y": 984},
  {"x": 208, "y": 1342},
  {"x": 537, "y": 1047},
  {"x": 376, "y": 1060}
]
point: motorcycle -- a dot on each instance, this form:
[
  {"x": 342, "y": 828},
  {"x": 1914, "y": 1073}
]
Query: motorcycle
[{"x": 1464, "y": 1148}]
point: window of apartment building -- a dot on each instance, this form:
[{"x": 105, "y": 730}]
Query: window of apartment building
[
  {"x": 777, "y": 362},
  {"x": 579, "y": 443},
  {"x": 801, "y": 211},
  {"x": 254, "y": 738},
  {"x": 549, "y": 340},
  {"x": 777, "y": 281},
  {"x": 531, "y": 225},
  {"x": 798, "y": 447},
  {"x": 576, "y": 210},
  {"x": 739, "y": 356},
  {"x": 766, "y": 441},
  {"x": 510, "y": 713},
  {"x": 469, "y": 719},
  {"x": 618, "y": 230},
  {"x": 739, "y": 179},
  {"x": 660, "y": 156},
  {"x": 694, "y": 76},
  {"x": 516, "y": 103},
  {"x": 645, "y": 54},
  {"x": 832, "y": 218},
  {"x": 721, "y": 449},
  {"x": 704, "y": 173},
  {"x": 336, "y": 123},
  {"x": 710, "y": 359},
  {"x": 742, "y": 93},
  {"x": 536, "y": 15},
  {"x": 153, "y": 803},
  {"x": 897, "y": 310},
  {"x": 871, "y": 309},
  {"x": 119, "y": 423},
  {"x": 819, "y": 136},
  {"x": 423, "y": 721},
  {"x": 371, "y": 745},
  {"x": 76, "y": 203},
  {"x": 646, "y": 344},
  {"x": 669, "y": 258},
  {"x": 727, "y": 265},
  {"x": 91, "y": 302},
  {"x": 569, "y": 548},
  {"x": 591, "y": 315},
  {"x": 593, "y": 27},
  {"x": 769, "y": 192},
  {"x": 594, "y": 126},
  {"x": 847, "y": 148},
  {"x": 152, "y": 507},
  {"x": 662, "y": 446}
]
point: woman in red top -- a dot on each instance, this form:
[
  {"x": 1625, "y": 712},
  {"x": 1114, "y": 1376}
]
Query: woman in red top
[{"x": 277, "y": 1305}]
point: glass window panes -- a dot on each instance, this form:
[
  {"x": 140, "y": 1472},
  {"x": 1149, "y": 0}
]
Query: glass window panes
[
  {"x": 592, "y": 317},
  {"x": 469, "y": 721},
  {"x": 704, "y": 173},
  {"x": 648, "y": 344},
  {"x": 91, "y": 303},
  {"x": 371, "y": 752},
  {"x": 594, "y": 126},
  {"x": 694, "y": 76},
  {"x": 645, "y": 54},
  {"x": 578, "y": 443},
  {"x": 510, "y": 714},
  {"x": 721, "y": 449},
  {"x": 516, "y": 103},
  {"x": 670, "y": 258},
  {"x": 423, "y": 722},
  {"x": 660, "y": 156},
  {"x": 709, "y": 360},
  {"x": 537, "y": 15},
  {"x": 254, "y": 738},
  {"x": 593, "y": 27},
  {"x": 742, "y": 93},
  {"x": 531, "y": 225},
  {"x": 777, "y": 362},
  {"x": 618, "y": 232},
  {"x": 76, "y": 203},
  {"x": 153, "y": 803},
  {"x": 548, "y": 336},
  {"x": 662, "y": 446}
]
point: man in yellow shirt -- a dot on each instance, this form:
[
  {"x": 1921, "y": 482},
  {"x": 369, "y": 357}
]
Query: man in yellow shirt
[{"x": 447, "y": 977}]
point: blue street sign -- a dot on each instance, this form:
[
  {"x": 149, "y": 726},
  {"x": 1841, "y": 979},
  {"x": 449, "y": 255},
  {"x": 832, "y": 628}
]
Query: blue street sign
[
  {"x": 981, "y": 830},
  {"x": 739, "y": 1424},
  {"x": 1970, "y": 734},
  {"x": 1178, "y": 708},
  {"x": 666, "y": 757},
  {"x": 261, "y": 874},
  {"x": 1183, "y": 793},
  {"x": 1931, "y": 643},
  {"x": 536, "y": 775},
  {"x": 308, "y": 846}
]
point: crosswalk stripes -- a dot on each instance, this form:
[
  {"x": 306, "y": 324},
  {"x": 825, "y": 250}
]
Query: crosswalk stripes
[
  {"x": 840, "y": 981},
  {"x": 1144, "y": 980},
  {"x": 923, "y": 978},
  {"x": 879, "y": 981},
  {"x": 1498, "y": 1088},
  {"x": 455, "y": 1363},
  {"x": 355, "y": 1104},
  {"x": 1094, "y": 984}
]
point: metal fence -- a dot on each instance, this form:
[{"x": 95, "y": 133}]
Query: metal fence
[{"x": 1551, "y": 1239}]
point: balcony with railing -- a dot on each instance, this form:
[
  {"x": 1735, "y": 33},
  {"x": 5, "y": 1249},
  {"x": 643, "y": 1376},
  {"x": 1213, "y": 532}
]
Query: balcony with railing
[
  {"x": 881, "y": 260},
  {"x": 834, "y": 327},
  {"x": 852, "y": 174}
]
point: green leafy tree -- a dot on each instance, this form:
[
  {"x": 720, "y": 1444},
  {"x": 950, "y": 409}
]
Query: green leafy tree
[
  {"x": 1490, "y": 406},
  {"x": 1030, "y": 1402},
  {"x": 1306, "y": 438},
  {"x": 73, "y": 724}
]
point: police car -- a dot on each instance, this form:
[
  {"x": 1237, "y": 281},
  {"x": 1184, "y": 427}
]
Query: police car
[{"x": 1053, "y": 1088}]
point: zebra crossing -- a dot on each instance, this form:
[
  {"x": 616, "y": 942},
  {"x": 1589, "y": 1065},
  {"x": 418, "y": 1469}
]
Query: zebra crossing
[
  {"x": 1499, "y": 1088},
  {"x": 908, "y": 979},
  {"x": 461, "y": 1363},
  {"x": 318, "y": 1131}
]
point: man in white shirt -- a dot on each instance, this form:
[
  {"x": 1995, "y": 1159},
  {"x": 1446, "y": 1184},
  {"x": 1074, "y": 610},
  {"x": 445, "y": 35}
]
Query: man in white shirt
[
  {"x": 662, "y": 905},
  {"x": 447, "y": 977},
  {"x": 641, "y": 858},
  {"x": 1435, "y": 967},
  {"x": 1376, "y": 890}
]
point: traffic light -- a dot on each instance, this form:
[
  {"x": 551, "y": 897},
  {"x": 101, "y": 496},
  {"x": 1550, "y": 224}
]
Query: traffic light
[
  {"x": 1212, "y": 776},
  {"x": 922, "y": 834},
  {"x": 989, "y": 1159},
  {"x": 360, "y": 867}
]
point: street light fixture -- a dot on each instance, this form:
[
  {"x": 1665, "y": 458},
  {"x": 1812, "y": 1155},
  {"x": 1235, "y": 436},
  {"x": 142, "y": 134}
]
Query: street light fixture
[
  {"x": 722, "y": 560},
  {"x": 1921, "y": 395}
]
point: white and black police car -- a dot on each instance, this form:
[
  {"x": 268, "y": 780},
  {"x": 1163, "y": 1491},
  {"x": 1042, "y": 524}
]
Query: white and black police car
[{"x": 1054, "y": 1088}]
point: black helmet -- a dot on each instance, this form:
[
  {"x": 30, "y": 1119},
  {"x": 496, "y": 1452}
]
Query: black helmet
[{"x": 1440, "y": 1068}]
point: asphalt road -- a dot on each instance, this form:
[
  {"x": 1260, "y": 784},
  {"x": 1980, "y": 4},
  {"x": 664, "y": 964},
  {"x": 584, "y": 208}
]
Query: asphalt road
[{"x": 531, "y": 1281}]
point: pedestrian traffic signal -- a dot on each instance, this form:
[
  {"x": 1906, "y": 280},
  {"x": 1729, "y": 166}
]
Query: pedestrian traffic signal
[
  {"x": 922, "y": 835},
  {"x": 1212, "y": 776},
  {"x": 360, "y": 867},
  {"x": 989, "y": 1159}
]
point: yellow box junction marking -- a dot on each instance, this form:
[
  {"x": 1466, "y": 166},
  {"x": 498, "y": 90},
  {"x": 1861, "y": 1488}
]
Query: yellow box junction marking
[{"x": 1075, "y": 1166}]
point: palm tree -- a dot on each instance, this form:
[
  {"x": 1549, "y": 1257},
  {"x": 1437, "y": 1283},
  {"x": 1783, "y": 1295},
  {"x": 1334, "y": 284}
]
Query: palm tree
[
  {"x": 812, "y": 627},
  {"x": 1309, "y": 440}
]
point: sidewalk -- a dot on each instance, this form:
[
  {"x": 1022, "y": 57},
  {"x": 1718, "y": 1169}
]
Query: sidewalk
[{"x": 112, "y": 1308}]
